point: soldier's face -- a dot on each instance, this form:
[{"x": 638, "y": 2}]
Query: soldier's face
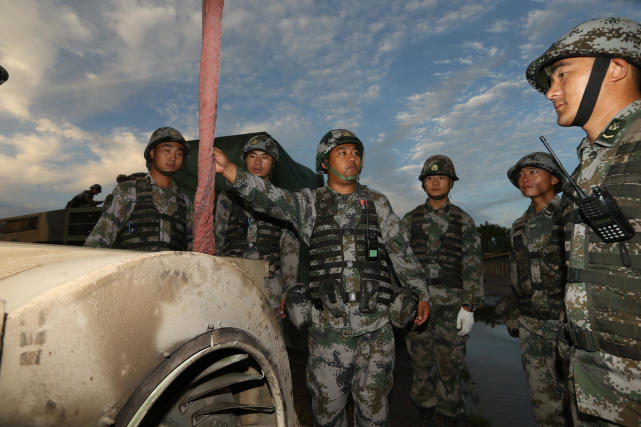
[
  {"x": 536, "y": 182},
  {"x": 437, "y": 185},
  {"x": 167, "y": 157},
  {"x": 568, "y": 79},
  {"x": 346, "y": 159},
  {"x": 259, "y": 163}
]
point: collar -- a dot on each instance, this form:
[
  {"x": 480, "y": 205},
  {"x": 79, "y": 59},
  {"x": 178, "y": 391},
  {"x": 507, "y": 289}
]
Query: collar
[
  {"x": 445, "y": 208},
  {"x": 614, "y": 130},
  {"x": 173, "y": 185},
  {"x": 548, "y": 210},
  {"x": 359, "y": 190}
]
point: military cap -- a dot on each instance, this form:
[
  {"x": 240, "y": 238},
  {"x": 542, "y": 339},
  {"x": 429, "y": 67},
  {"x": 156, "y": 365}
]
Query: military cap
[
  {"x": 164, "y": 134},
  {"x": 607, "y": 37},
  {"x": 263, "y": 143},
  {"x": 438, "y": 165},
  {"x": 333, "y": 139},
  {"x": 539, "y": 160},
  {"x": 96, "y": 187}
]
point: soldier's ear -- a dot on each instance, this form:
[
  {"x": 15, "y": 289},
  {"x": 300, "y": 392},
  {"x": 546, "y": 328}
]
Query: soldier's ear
[{"x": 554, "y": 180}]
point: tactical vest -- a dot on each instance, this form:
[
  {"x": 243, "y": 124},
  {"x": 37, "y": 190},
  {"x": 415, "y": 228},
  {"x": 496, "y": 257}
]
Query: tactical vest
[
  {"x": 614, "y": 300},
  {"x": 268, "y": 233},
  {"x": 450, "y": 254},
  {"x": 327, "y": 258},
  {"x": 542, "y": 269},
  {"x": 142, "y": 230}
]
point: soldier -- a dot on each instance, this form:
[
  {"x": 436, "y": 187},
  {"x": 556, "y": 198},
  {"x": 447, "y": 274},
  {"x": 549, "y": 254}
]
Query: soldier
[
  {"x": 445, "y": 241},
  {"x": 538, "y": 273},
  {"x": 353, "y": 235},
  {"x": 242, "y": 232},
  {"x": 85, "y": 199},
  {"x": 592, "y": 75},
  {"x": 150, "y": 213}
]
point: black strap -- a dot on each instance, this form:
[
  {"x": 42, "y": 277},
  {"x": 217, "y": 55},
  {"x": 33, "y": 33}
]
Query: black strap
[{"x": 592, "y": 89}]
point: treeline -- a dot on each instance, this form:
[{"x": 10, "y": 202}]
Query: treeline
[{"x": 494, "y": 238}]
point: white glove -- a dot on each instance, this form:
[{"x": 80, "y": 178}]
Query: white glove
[{"x": 464, "y": 321}]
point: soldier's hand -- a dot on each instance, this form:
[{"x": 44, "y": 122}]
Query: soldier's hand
[
  {"x": 423, "y": 312},
  {"x": 224, "y": 166}
]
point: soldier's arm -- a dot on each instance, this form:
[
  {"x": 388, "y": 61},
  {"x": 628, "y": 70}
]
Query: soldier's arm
[
  {"x": 295, "y": 207},
  {"x": 221, "y": 220},
  {"x": 106, "y": 230},
  {"x": 472, "y": 265},
  {"x": 407, "y": 267},
  {"x": 406, "y": 227},
  {"x": 289, "y": 250}
]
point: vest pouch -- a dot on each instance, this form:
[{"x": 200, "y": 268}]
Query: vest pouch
[
  {"x": 331, "y": 296},
  {"x": 368, "y": 296},
  {"x": 403, "y": 307},
  {"x": 299, "y": 306}
]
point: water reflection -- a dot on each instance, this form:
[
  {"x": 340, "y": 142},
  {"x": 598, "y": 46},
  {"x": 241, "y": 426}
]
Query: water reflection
[{"x": 497, "y": 389}]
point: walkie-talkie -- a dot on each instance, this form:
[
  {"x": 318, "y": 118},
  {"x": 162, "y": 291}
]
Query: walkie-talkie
[{"x": 600, "y": 211}]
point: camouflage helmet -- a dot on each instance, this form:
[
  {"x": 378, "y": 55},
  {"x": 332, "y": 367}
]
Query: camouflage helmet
[
  {"x": 438, "y": 165},
  {"x": 539, "y": 160},
  {"x": 164, "y": 134},
  {"x": 263, "y": 143},
  {"x": 333, "y": 139},
  {"x": 603, "y": 37},
  {"x": 96, "y": 187}
]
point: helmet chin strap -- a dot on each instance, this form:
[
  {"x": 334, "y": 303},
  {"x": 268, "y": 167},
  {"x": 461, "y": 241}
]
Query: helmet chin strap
[
  {"x": 343, "y": 177},
  {"x": 441, "y": 197},
  {"x": 592, "y": 89}
]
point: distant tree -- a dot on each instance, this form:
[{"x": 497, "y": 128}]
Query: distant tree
[{"x": 494, "y": 238}]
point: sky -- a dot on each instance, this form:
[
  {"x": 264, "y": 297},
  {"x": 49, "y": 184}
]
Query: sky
[{"x": 90, "y": 81}]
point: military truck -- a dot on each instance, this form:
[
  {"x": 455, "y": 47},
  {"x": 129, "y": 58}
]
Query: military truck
[{"x": 114, "y": 337}]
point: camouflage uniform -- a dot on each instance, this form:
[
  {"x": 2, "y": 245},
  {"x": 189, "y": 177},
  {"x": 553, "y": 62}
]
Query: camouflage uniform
[
  {"x": 114, "y": 221},
  {"x": 349, "y": 351},
  {"x": 258, "y": 228},
  {"x": 603, "y": 297},
  {"x": 83, "y": 200},
  {"x": 437, "y": 351},
  {"x": 537, "y": 270}
]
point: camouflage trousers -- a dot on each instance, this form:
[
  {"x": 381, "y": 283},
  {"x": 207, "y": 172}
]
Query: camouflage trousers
[
  {"x": 340, "y": 364},
  {"x": 543, "y": 370},
  {"x": 438, "y": 354}
]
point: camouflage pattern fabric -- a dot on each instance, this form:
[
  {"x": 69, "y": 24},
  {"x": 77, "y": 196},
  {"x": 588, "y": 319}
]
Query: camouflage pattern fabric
[
  {"x": 435, "y": 225},
  {"x": 539, "y": 160},
  {"x": 542, "y": 309},
  {"x": 341, "y": 363},
  {"x": 438, "y": 164},
  {"x": 83, "y": 200},
  {"x": 543, "y": 369},
  {"x": 437, "y": 351},
  {"x": 609, "y": 37},
  {"x": 438, "y": 354},
  {"x": 114, "y": 218},
  {"x": 607, "y": 385},
  {"x": 332, "y": 139},
  {"x": 299, "y": 208},
  {"x": 282, "y": 279}
]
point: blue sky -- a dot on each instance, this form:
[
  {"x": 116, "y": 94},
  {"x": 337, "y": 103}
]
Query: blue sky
[{"x": 90, "y": 81}]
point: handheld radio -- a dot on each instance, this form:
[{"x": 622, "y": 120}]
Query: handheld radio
[{"x": 600, "y": 211}]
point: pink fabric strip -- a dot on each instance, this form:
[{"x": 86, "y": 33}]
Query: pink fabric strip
[{"x": 207, "y": 103}]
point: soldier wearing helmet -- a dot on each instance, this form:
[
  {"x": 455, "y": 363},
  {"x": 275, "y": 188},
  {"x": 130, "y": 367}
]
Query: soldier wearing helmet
[
  {"x": 85, "y": 199},
  {"x": 592, "y": 75},
  {"x": 353, "y": 236},
  {"x": 445, "y": 240},
  {"x": 537, "y": 269},
  {"x": 150, "y": 212},
  {"x": 240, "y": 231}
]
